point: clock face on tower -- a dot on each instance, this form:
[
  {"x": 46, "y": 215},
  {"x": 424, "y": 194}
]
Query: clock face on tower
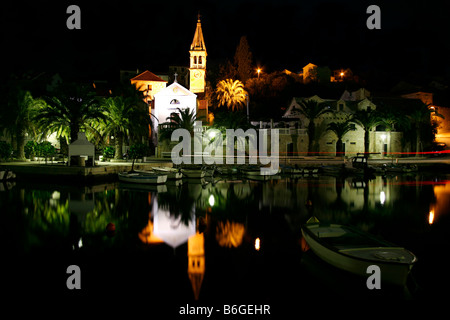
[{"x": 197, "y": 74}]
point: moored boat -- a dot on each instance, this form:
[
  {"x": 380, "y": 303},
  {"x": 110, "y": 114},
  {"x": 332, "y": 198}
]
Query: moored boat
[
  {"x": 139, "y": 177},
  {"x": 172, "y": 173},
  {"x": 353, "y": 250},
  {"x": 193, "y": 173},
  {"x": 7, "y": 175}
]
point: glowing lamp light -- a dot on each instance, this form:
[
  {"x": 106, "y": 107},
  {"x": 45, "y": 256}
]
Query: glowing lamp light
[
  {"x": 342, "y": 74},
  {"x": 211, "y": 200},
  {"x": 257, "y": 244},
  {"x": 382, "y": 197},
  {"x": 431, "y": 217}
]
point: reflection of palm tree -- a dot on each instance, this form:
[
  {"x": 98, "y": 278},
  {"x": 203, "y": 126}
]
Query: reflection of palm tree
[
  {"x": 231, "y": 94},
  {"x": 179, "y": 205}
]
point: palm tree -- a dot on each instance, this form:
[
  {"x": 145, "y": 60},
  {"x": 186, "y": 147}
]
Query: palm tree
[
  {"x": 312, "y": 110},
  {"x": 367, "y": 119},
  {"x": 339, "y": 129},
  {"x": 231, "y": 94},
  {"x": 17, "y": 118},
  {"x": 121, "y": 117},
  {"x": 183, "y": 119},
  {"x": 70, "y": 111},
  {"x": 419, "y": 118}
]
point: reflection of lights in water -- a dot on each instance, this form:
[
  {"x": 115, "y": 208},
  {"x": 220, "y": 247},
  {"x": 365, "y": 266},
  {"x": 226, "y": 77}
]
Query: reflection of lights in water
[
  {"x": 211, "y": 200},
  {"x": 431, "y": 217},
  {"x": 257, "y": 244},
  {"x": 80, "y": 243},
  {"x": 382, "y": 197}
]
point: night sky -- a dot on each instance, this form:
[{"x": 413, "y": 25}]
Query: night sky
[{"x": 413, "y": 40}]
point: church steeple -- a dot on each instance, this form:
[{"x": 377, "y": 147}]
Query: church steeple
[
  {"x": 198, "y": 44},
  {"x": 197, "y": 66}
]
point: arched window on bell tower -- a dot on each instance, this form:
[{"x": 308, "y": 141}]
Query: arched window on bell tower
[{"x": 195, "y": 59}]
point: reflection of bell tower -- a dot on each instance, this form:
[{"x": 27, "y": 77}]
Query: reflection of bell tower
[
  {"x": 196, "y": 262},
  {"x": 197, "y": 65}
]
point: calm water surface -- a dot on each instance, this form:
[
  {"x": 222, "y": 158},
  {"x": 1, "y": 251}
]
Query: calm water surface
[{"x": 223, "y": 241}]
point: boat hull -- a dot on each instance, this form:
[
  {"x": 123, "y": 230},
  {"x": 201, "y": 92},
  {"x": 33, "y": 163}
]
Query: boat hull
[
  {"x": 143, "y": 178},
  {"x": 357, "y": 260},
  {"x": 193, "y": 173}
]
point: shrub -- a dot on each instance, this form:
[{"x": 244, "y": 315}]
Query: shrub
[
  {"x": 108, "y": 152},
  {"x": 5, "y": 150},
  {"x": 30, "y": 149}
]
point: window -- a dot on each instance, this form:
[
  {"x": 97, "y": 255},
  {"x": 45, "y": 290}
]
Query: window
[
  {"x": 195, "y": 59},
  {"x": 200, "y": 60},
  {"x": 174, "y": 101}
]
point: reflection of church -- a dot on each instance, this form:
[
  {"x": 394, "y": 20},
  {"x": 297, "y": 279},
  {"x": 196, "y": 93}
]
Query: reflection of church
[{"x": 165, "y": 100}]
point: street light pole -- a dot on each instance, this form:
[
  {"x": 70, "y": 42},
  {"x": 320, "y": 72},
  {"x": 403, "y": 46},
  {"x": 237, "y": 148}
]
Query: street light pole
[{"x": 248, "y": 115}]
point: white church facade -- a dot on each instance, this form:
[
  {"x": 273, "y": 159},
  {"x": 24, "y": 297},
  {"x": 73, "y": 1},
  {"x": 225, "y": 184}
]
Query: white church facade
[{"x": 169, "y": 99}]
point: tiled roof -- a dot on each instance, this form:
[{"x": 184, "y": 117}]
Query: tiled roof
[{"x": 147, "y": 76}]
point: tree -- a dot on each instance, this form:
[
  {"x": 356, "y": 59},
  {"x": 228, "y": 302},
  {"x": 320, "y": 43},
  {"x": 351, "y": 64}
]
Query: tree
[
  {"x": 137, "y": 150},
  {"x": 231, "y": 94},
  {"x": 72, "y": 109},
  {"x": 339, "y": 129},
  {"x": 243, "y": 60},
  {"x": 183, "y": 119},
  {"x": 122, "y": 115},
  {"x": 16, "y": 119},
  {"x": 312, "y": 110},
  {"x": 367, "y": 119},
  {"x": 420, "y": 118}
]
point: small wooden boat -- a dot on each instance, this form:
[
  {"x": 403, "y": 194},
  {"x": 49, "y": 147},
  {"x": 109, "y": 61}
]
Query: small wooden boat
[
  {"x": 139, "y": 177},
  {"x": 291, "y": 170},
  {"x": 193, "y": 173},
  {"x": 172, "y": 173},
  {"x": 353, "y": 250}
]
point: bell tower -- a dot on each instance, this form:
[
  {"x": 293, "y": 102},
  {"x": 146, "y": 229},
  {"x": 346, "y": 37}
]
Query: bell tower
[{"x": 197, "y": 65}]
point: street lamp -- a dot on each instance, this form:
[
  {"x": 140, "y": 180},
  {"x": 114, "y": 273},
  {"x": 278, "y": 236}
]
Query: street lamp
[
  {"x": 248, "y": 100},
  {"x": 258, "y": 71}
]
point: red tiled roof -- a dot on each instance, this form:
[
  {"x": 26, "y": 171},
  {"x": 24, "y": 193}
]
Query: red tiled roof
[{"x": 147, "y": 76}]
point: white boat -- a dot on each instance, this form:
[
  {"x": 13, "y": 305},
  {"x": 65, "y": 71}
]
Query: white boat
[
  {"x": 139, "y": 177},
  {"x": 172, "y": 173},
  {"x": 352, "y": 250},
  {"x": 7, "y": 175}
]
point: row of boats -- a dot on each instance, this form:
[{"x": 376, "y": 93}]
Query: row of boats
[
  {"x": 159, "y": 175},
  {"x": 355, "y": 166}
]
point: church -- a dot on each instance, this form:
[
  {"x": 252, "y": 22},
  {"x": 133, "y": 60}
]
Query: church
[{"x": 164, "y": 100}]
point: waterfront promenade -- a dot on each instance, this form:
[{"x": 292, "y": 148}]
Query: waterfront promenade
[{"x": 107, "y": 171}]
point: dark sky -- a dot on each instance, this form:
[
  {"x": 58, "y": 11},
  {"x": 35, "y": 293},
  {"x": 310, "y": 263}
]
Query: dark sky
[{"x": 414, "y": 35}]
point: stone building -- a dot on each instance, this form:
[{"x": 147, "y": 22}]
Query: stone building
[{"x": 294, "y": 138}]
